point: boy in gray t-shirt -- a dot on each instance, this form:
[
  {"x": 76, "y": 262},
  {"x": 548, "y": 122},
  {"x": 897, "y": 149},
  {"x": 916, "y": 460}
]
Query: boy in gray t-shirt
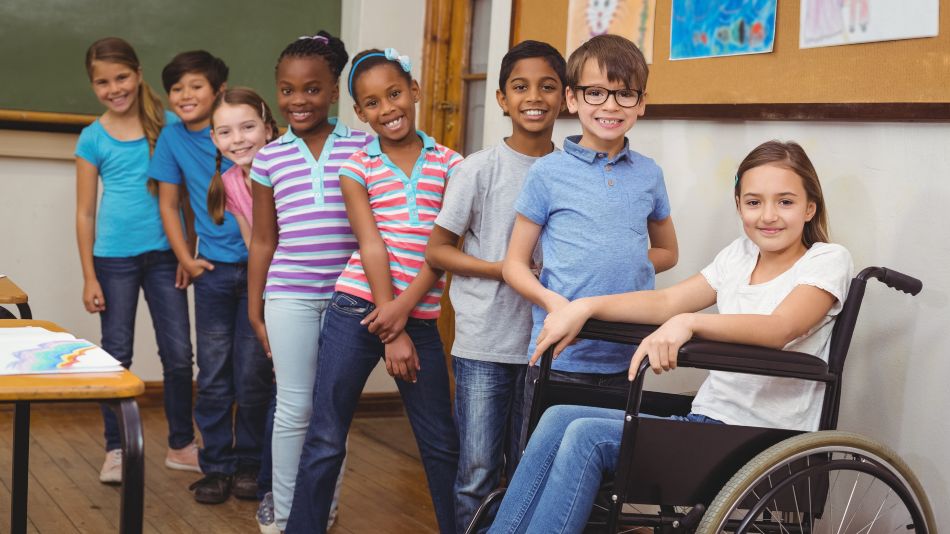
[{"x": 493, "y": 322}]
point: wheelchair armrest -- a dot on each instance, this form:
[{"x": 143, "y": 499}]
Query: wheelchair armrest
[{"x": 718, "y": 356}]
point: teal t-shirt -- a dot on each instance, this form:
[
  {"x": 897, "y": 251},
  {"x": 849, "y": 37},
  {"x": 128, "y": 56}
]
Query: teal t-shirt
[
  {"x": 182, "y": 154},
  {"x": 128, "y": 222}
]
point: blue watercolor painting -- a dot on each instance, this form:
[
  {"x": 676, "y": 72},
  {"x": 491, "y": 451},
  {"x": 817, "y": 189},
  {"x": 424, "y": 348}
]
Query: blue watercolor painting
[{"x": 710, "y": 28}]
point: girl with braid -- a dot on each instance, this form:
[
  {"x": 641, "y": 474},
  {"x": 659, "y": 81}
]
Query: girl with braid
[{"x": 301, "y": 243}]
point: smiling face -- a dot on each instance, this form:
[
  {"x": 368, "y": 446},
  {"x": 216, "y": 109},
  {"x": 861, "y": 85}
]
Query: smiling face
[
  {"x": 387, "y": 102},
  {"x": 191, "y": 98},
  {"x": 604, "y": 125},
  {"x": 533, "y": 96},
  {"x": 116, "y": 86},
  {"x": 305, "y": 91},
  {"x": 239, "y": 132},
  {"x": 774, "y": 208}
]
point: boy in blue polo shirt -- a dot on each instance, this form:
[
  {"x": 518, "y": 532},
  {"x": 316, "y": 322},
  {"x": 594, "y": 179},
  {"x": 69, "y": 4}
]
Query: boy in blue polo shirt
[
  {"x": 599, "y": 209},
  {"x": 232, "y": 367}
]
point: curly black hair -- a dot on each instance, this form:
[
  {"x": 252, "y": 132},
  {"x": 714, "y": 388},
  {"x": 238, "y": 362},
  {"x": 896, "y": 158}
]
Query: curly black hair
[{"x": 322, "y": 44}]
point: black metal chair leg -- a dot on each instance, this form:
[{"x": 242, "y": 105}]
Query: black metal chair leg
[
  {"x": 133, "y": 466},
  {"x": 25, "y": 312},
  {"x": 21, "y": 467}
]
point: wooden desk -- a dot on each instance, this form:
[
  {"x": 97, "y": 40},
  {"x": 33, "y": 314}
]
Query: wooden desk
[
  {"x": 11, "y": 294},
  {"x": 115, "y": 389}
]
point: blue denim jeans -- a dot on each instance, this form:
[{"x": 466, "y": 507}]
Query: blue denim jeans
[
  {"x": 232, "y": 370},
  {"x": 554, "y": 488},
  {"x": 347, "y": 355},
  {"x": 488, "y": 409},
  {"x": 154, "y": 273}
]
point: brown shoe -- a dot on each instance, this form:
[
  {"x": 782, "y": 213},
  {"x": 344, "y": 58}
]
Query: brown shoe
[{"x": 183, "y": 459}]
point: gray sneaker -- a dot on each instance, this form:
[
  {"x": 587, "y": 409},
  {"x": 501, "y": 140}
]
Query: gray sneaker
[{"x": 265, "y": 515}]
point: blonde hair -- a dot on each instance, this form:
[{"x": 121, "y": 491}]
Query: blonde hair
[
  {"x": 150, "y": 109},
  {"x": 790, "y": 155},
  {"x": 234, "y": 97}
]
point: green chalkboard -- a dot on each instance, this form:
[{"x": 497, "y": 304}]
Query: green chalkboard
[{"x": 43, "y": 42}]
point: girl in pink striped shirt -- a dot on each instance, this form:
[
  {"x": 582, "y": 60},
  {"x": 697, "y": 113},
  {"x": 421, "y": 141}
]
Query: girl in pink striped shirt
[{"x": 241, "y": 124}]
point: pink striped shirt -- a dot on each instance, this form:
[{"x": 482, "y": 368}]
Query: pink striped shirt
[{"x": 405, "y": 208}]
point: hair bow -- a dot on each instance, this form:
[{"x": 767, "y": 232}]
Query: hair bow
[
  {"x": 320, "y": 38},
  {"x": 393, "y": 55}
]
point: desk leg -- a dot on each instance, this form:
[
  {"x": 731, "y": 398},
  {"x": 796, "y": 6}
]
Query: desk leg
[
  {"x": 21, "y": 467},
  {"x": 133, "y": 466}
]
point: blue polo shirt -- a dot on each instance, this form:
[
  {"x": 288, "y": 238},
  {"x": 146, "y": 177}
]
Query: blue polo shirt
[
  {"x": 593, "y": 211},
  {"x": 183, "y": 154}
]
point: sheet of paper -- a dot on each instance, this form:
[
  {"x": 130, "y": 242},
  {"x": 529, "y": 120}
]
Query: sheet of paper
[
  {"x": 844, "y": 22},
  {"x": 33, "y": 350},
  {"x": 711, "y": 28}
]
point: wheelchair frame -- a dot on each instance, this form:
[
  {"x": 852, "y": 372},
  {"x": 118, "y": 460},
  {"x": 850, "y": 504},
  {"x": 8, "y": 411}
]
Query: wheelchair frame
[{"x": 705, "y": 457}]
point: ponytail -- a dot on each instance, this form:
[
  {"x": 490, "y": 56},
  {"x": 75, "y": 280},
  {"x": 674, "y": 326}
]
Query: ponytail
[
  {"x": 152, "y": 117},
  {"x": 216, "y": 194}
]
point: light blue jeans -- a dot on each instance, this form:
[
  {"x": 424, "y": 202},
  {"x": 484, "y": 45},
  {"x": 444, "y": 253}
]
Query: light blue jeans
[
  {"x": 293, "y": 329},
  {"x": 556, "y": 483}
]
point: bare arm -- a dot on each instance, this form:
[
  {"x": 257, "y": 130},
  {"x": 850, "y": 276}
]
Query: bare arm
[
  {"x": 664, "y": 251},
  {"x": 245, "y": 228},
  {"x": 168, "y": 206},
  {"x": 87, "y": 189},
  {"x": 263, "y": 243},
  {"x": 517, "y": 266},
  {"x": 442, "y": 253}
]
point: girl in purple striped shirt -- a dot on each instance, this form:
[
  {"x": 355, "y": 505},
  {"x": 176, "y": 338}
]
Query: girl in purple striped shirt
[{"x": 301, "y": 243}]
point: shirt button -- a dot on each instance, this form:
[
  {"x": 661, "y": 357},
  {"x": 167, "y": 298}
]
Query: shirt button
[
  {"x": 609, "y": 167},
  {"x": 601, "y": 155},
  {"x": 610, "y": 183}
]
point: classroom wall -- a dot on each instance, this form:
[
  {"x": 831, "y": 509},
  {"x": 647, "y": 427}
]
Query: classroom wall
[
  {"x": 37, "y": 197},
  {"x": 887, "y": 187}
]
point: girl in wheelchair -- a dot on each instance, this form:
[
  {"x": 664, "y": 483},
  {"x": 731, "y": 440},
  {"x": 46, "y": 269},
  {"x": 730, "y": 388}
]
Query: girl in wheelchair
[{"x": 780, "y": 285}]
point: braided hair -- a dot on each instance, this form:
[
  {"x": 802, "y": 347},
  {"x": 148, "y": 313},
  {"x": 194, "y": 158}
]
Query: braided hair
[{"x": 322, "y": 44}]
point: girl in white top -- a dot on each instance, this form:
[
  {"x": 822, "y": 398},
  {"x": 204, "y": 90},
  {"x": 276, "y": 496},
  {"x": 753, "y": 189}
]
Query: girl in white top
[{"x": 780, "y": 286}]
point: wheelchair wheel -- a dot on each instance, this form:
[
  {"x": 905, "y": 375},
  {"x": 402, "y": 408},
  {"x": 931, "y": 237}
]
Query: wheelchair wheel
[{"x": 819, "y": 482}]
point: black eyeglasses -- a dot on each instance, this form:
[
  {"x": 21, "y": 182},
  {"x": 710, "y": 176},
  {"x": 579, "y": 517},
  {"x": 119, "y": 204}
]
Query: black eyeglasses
[{"x": 595, "y": 96}]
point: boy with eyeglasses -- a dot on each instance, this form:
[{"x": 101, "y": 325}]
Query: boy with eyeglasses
[{"x": 599, "y": 209}]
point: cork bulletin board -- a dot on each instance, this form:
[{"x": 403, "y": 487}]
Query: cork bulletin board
[{"x": 906, "y": 80}]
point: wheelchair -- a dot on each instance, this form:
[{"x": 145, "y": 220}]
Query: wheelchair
[{"x": 677, "y": 477}]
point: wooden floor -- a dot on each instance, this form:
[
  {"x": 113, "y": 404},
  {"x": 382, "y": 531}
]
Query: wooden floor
[{"x": 384, "y": 487}]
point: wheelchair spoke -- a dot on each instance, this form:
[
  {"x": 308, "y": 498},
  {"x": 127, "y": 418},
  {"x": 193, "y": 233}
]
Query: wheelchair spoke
[{"x": 844, "y": 515}]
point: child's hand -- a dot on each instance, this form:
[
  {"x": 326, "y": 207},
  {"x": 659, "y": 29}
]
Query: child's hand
[
  {"x": 561, "y": 327},
  {"x": 553, "y": 301},
  {"x": 260, "y": 330},
  {"x": 92, "y": 297},
  {"x": 182, "y": 278},
  {"x": 196, "y": 267},
  {"x": 662, "y": 346},
  {"x": 402, "y": 361},
  {"x": 387, "y": 320}
]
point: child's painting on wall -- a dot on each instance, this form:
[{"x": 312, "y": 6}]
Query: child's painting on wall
[
  {"x": 632, "y": 19},
  {"x": 710, "y": 28},
  {"x": 841, "y": 22}
]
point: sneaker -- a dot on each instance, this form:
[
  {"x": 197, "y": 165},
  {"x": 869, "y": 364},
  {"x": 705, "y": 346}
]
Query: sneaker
[
  {"x": 265, "y": 515},
  {"x": 214, "y": 488},
  {"x": 245, "y": 482},
  {"x": 111, "y": 472},
  {"x": 183, "y": 459}
]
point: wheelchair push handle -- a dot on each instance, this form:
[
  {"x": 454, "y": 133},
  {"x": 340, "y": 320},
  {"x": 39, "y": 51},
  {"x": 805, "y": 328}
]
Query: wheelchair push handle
[{"x": 893, "y": 279}]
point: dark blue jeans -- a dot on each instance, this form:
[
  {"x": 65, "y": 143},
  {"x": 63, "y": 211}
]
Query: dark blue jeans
[
  {"x": 347, "y": 355},
  {"x": 154, "y": 273},
  {"x": 488, "y": 409},
  {"x": 232, "y": 370}
]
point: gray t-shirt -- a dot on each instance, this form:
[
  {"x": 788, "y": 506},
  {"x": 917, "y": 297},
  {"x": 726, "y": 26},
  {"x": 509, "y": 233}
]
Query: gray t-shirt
[{"x": 492, "y": 322}]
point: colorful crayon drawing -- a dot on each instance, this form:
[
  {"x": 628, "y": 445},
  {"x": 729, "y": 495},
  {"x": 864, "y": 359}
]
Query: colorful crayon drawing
[
  {"x": 632, "y": 19},
  {"x": 35, "y": 350},
  {"x": 841, "y": 22},
  {"x": 710, "y": 28}
]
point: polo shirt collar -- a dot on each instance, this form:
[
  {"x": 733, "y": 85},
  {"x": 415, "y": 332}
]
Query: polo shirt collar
[
  {"x": 339, "y": 130},
  {"x": 588, "y": 155},
  {"x": 374, "y": 150}
]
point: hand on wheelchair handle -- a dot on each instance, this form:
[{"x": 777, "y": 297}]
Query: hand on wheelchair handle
[
  {"x": 662, "y": 346},
  {"x": 560, "y": 329}
]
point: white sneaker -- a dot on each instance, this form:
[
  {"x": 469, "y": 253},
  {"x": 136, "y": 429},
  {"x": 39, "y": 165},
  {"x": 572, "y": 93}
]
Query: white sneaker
[
  {"x": 111, "y": 472},
  {"x": 183, "y": 459}
]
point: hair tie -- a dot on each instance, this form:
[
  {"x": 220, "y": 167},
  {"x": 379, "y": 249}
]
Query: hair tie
[
  {"x": 390, "y": 54},
  {"x": 319, "y": 38}
]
